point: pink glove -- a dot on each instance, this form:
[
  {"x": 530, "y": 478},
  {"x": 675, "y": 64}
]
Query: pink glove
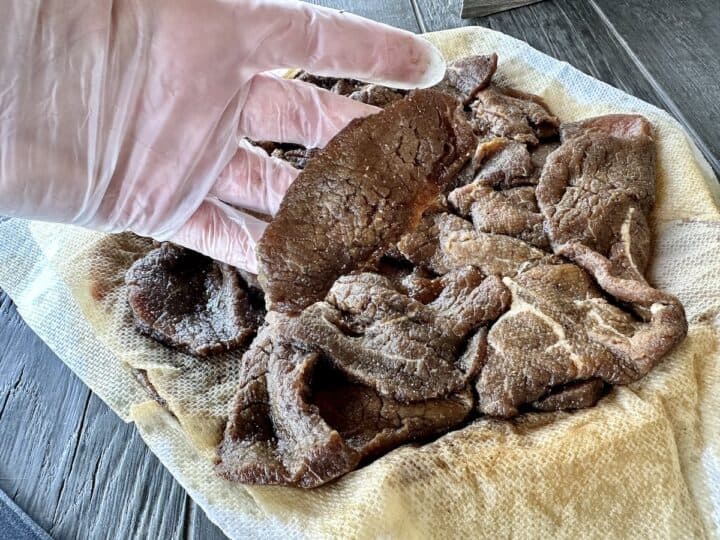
[{"x": 128, "y": 114}]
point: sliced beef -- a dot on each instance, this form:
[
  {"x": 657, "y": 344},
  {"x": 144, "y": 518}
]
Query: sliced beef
[
  {"x": 297, "y": 421},
  {"x": 372, "y": 424},
  {"x": 502, "y": 112},
  {"x": 275, "y": 435},
  {"x": 465, "y": 77},
  {"x": 578, "y": 395},
  {"x": 402, "y": 348},
  {"x": 444, "y": 242},
  {"x": 597, "y": 190},
  {"x": 503, "y": 163},
  {"x": 513, "y": 212},
  {"x": 297, "y": 156},
  {"x": 377, "y": 95},
  {"x": 561, "y": 330},
  {"x": 188, "y": 301},
  {"x": 368, "y": 186}
]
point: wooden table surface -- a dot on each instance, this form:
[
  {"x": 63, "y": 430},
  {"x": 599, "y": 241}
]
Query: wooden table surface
[{"x": 80, "y": 472}]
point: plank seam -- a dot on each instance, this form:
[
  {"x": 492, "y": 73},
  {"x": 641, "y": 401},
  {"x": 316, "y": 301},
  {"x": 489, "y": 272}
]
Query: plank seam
[
  {"x": 72, "y": 462},
  {"x": 418, "y": 16},
  {"x": 662, "y": 94}
]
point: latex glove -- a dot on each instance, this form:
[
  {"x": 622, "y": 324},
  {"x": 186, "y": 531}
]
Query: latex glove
[{"x": 128, "y": 114}]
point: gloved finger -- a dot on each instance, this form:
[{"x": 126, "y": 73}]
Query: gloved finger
[
  {"x": 223, "y": 233},
  {"x": 254, "y": 180},
  {"x": 335, "y": 43},
  {"x": 292, "y": 111}
]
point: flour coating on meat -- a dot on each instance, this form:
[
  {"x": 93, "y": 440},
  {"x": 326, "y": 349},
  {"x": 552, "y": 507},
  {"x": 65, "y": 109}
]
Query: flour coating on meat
[
  {"x": 188, "y": 301},
  {"x": 503, "y": 112},
  {"x": 417, "y": 276},
  {"x": 560, "y": 330},
  {"x": 400, "y": 347},
  {"x": 298, "y": 421},
  {"x": 443, "y": 242},
  {"x": 370, "y": 184},
  {"x": 597, "y": 190}
]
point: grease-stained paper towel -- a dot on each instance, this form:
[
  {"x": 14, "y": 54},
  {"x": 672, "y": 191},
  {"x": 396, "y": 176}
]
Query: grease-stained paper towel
[{"x": 644, "y": 463}]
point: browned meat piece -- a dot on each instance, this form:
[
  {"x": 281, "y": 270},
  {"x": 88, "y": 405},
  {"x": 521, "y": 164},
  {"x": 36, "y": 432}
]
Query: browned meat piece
[
  {"x": 323, "y": 82},
  {"x": 513, "y": 212},
  {"x": 503, "y": 163},
  {"x": 298, "y": 422},
  {"x": 372, "y": 424},
  {"x": 465, "y": 77},
  {"x": 369, "y": 185},
  {"x": 444, "y": 242},
  {"x": 400, "y": 347},
  {"x": 578, "y": 395},
  {"x": 345, "y": 87},
  {"x": 539, "y": 155},
  {"x": 275, "y": 435},
  {"x": 297, "y": 156},
  {"x": 507, "y": 113},
  {"x": 379, "y": 96},
  {"x": 598, "y": 188},
  {"x": 561, "y": 330},
  {"x": 186, "y": 300}
]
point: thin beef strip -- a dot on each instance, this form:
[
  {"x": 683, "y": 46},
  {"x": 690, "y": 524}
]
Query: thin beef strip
[
  {"x": 560, "y": 330},
  {"x": 297, "y": 421},
  {"x": 503, "y": 112},
  {"x": 400, "y": 347},
  {"x": 465, "y": 77},
  {"x": 444, "y": 242},
  {"x": 597, "y": 190},
  {"x": 513, "y": 212},
  {"x": 368, "y": 186},
  {"x": 188, "y": 301}
]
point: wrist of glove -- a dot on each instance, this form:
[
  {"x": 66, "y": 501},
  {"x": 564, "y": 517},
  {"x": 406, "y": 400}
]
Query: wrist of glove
[{"x": 129, "y": 114}]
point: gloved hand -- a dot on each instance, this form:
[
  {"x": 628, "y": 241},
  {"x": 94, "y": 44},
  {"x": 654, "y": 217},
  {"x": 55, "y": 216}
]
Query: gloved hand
[{"x": 128, "y": 114}]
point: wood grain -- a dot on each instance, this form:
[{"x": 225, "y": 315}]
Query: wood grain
[
  {"x": 480, "y": 8},
  {"x": 69, "y": 462}
]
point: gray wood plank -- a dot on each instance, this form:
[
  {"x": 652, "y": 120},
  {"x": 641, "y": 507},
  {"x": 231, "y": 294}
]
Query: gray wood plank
[
  {"x": 69, "y": 462},
  {"x": 481, "y": 8},
  {"x": 398, "y": 13},
  {"x": 676, "y": 45},
  {"x": 577, "y": 32}
]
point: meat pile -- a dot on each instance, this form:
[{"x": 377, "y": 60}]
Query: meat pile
[{"x": 460, "y": 253}]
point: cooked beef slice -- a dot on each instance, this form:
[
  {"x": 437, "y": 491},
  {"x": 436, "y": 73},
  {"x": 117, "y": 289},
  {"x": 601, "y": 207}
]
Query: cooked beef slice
[
  {"x": 465, "y": 77},
  {"x": 402, "y": 348},
  {"x": 188, "y": 301},
  {"x": 296, "y": 421},
  {"x": 503, "y": 163},
  {"x": 513, "y": 212},
  {"x": 443, "y": 242},
  {"x": 502, "y": 112},
  {"x": 345, "y": 87},
  {"x": 578, "y": 395},
  {"x": 297, "y": 156},
  {"x": 372, "y": 424},
  {"x": 561, "y": 330},
  {"x": 539, "y": 155},
  {"x": 377, "y": 95},
  {"x": 274, "y": 434},
  {"x": 369, "y": 185},
  {"x": 598, "y": 187}
]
